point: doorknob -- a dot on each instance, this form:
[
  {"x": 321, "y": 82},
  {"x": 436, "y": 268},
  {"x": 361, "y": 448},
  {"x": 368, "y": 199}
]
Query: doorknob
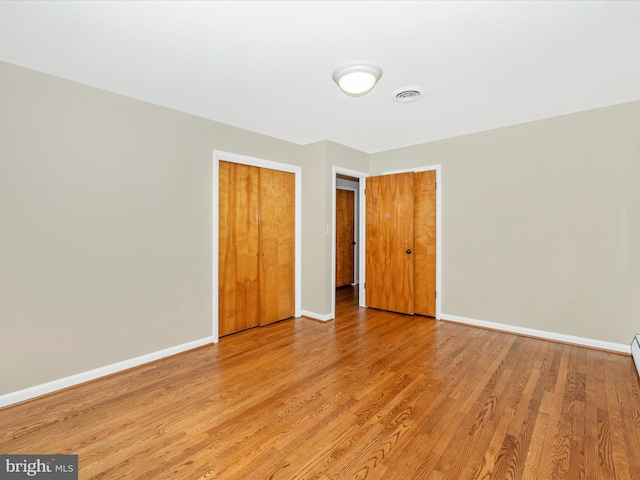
[{"x": 409, "y": 250}]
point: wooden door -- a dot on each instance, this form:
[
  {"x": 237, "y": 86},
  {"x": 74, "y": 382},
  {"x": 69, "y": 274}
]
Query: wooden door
[
  {"x": 238, "y": 248},
  {"x": 345, "y": 223},
  {"x": 390, "y": 242},
  {"x": 277, "y": 245},
  {"x": 425, "y": 243}
]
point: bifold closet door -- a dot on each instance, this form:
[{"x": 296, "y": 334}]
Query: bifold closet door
[
  {"x": 238, "y": 248},
  {"x": 401, "y": 242},
  {"x": 389, "y": 245},
  {"x": 425, "y": 243},
  {"x": 277, "y": 245},
  {"x": 256, "y": 249}
]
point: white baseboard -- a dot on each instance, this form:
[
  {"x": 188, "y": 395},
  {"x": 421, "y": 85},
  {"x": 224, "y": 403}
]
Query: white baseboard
[
  {"x": 558, "y": 337},
  {"x": 55, "y": 385},
  {"x": 317, "y": 316}
]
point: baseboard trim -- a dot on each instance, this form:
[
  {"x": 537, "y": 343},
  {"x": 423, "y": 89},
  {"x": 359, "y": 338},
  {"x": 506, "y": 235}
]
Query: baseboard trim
[
  {"x": 317, "y": 316},
  {"x": 73, "y": 380},
  {"x": 530, "y": 332}
]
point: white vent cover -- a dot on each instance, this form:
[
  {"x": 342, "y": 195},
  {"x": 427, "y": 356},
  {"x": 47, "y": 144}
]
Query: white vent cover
[{"x": 408, "y": 94}]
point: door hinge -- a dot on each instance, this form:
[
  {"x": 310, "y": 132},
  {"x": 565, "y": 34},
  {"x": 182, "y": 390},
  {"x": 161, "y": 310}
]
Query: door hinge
[
  {"x": 436, "y": 186},
  {"x": 436, "y": 294}
]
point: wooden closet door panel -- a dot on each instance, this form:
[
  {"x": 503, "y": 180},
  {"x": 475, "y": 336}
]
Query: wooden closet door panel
[
  {"x": 277, "y": 240},
  {"x": 425, "y": 243},
  {"x": 389, "y": 232},
  {"x": 238, "y": 248},
  {"x": 344, "y": 237}
]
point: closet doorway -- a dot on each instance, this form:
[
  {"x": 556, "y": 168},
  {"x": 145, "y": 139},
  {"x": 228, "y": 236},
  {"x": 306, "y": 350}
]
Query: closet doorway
[
  {"x": 256, "y": 265},
  {"x": 256, "y": 248}
]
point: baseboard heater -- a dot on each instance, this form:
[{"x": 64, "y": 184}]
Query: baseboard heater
[{"x": 635, "y": 351}]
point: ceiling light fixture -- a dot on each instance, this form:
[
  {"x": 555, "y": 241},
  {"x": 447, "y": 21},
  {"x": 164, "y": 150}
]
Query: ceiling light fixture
[{"x": 357, "y": 78}]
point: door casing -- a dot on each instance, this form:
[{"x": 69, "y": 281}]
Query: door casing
[{"x": 360, "y": 250}]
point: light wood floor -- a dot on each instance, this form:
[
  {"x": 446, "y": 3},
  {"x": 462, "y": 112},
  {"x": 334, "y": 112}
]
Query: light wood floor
[{"x": 371, "y": 395}]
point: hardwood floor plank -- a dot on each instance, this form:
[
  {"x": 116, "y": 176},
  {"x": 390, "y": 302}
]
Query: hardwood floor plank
[
  {"x": 619, "y": 453},
  {"x": 591, "y": 415},
  {"x": 371, "y": 395}
]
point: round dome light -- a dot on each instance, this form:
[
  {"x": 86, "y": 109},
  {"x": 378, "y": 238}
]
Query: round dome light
[{"x": 357, "y": 78}]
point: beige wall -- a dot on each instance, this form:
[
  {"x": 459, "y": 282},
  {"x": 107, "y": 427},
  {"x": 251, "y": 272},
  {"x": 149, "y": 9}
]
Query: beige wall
[
  {"x": 105, "y": 225},
  {"x": 317, "y": 212},
  {"x": 345, "y": 157},
  {"x": 314, "y": 236},
  {"x": 541, "y": 222}
]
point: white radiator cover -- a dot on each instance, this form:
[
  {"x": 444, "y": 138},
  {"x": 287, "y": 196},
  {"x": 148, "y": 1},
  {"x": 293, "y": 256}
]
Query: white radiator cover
[{"x": 635, "y": 351}]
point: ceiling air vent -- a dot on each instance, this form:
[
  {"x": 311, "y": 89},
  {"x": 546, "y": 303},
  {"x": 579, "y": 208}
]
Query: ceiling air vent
[{"x": 408, "y": 94}]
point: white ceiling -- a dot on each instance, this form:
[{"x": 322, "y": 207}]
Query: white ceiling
[{"x": 266, "y": 66}]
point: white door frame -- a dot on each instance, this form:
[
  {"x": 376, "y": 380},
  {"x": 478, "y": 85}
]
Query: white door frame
[
  {"x": 438, "y": 170},
  {"x": 360, "y": 242},
  {"x": 219, "y": 155}
]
